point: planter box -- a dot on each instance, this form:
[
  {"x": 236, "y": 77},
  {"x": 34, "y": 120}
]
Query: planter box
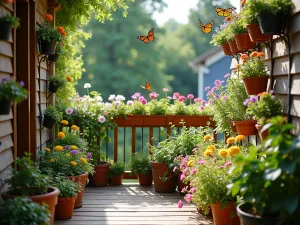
[
  {"x": 155, "y": 121},
  {"x": 131, "y": 121},
  {"x": 191, "y": 121}
]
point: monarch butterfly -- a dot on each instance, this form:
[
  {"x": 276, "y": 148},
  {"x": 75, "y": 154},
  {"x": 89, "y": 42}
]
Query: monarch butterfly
[
  {"x": 206, "y": 28},
  {"x": 224, "y": 12},
  {"x": 148, "y": 38},
  {"x": 147, "y": 86}
]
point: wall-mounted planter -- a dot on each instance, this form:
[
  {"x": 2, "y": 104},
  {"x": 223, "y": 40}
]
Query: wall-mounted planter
[
  {"x": 52, "y": 88},
  {"x": 53, "y": 57},
  {"x": 233, "y": 47},
  {"x": 5, "y": 30},
  {"x": 48, "y": 122},
  {"x": 243, "y": 42},
  {"x": 255, "y": 85},
  {"x": 246, "y": 127},
  {"x": 272, "y": 23},
  {"x": 47, "y": 47},
  {"x": 255, "y": 33},
  {"x": 232, "y": 126},
  {"x": 190, "y": 121},
  {"x": 226, "y": 49},
  {"x": 5, "y": 106}
]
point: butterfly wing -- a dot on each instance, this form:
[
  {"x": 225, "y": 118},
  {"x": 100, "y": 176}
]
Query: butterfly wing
[
  {"x": 220, "y": 11},
  {"x": 151, "y": 35},
  {"x": 208, "y": 27},
  {"x": 147, "y": 86},
  {"x": 227, "y": 12}
]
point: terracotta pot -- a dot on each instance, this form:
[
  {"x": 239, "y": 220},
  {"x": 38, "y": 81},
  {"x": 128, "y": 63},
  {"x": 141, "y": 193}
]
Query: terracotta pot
[
  {"x": 50, "y": 199},
  {"x": 48, "y": 122},
  {"x": 262, "y": 135},
  {"x": 233, "y": 47},
  {"x": 158, "y": 172},
  {"x": 82, "y": 179},
  {"x": 5, "y": 30},
  {"x": 225, "y": 215},
  {"x": 47, "y": 47},
  {"x": 64, "y": 208},
  {"x": 100, "y": 177},
  {"x": 255, "y": 33},
  {"x": 226, "y": 49},
  {"x": 243, "y": 42},
  {"x": 246, "y": 127},
  {"x": 272, "y": 23},
  {"x": 5, "y": 106},
  {"x": 232, "y": 126},
  {"x": 145, "y": 180},
  {"x": 116, "y": 180},
  {"x": 255, "y": 85}
]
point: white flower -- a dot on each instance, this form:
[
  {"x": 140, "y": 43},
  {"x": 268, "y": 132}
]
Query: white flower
[
  {"x": 101, "y": 119},
  {"x": 69, "y": 111},
  {"x": 117, "y": 103},
  {"x": 130, "y": 102},
  {"x": 87, "y": 85},
  {"x": 111, "y": 97},
  {"x": 99, "y": 99},
  {"x": 108, "y": 105},
  {"x": 120, "y": 98}
]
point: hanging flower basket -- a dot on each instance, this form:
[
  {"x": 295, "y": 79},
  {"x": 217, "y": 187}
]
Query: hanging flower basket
[
  {"x": 5, "y": 30},
  {"x": 272, "y": 23},
  {"x": 246, "y": 127},
  {"x": 53, "y": 57},
  {"x": 5, "y": 106},
  {"x": 255, "y": 85},
  {"x": 47, "y": 47},
  {"x": 48, "y": 122},
  {"x": 255, "y": 33},
  {"x": 243, "y": 42},
  {"x": 52, "y": 88},
  {"x": 226, "y": 49}
]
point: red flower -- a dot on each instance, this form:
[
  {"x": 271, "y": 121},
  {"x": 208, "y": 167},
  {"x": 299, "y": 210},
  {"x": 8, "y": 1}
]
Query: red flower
[
  {"x": 48, "y": 17},
  {"x": 243, "y": 2},
  {"x": 64, "y": 33},
  {"x": 60, "y": 29},
  {"x": 228, "y": 19}
]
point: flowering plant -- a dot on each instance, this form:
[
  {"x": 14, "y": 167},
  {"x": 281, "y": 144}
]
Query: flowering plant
[
  {"x": 137, "y": 106},
  {"x": 253, "y": 66},
  {"x": 221, "y": 35},
  {"x": 263, "y": 107},
  {"x": 12, "y": 90},
  {"x": 53, "y": 113},
  {"x": 236, "y": 25},
  {"x": 67, "y": 188},
  {"x": 157, "y": 107},
  {"x": 271, "y": 6}
]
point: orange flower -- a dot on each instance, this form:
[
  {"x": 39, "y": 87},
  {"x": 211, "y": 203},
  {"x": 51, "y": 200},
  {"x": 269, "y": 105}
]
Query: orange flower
[
  {"x": 64, "y": 34},
  {"x": 254, "y": 54},
  {"x": 243, "y": 2},
  {"x": 60, "y": 29},
  {"x": 244, "y": 56},
  {"x": 238, "y": 66},
  {"x": 234, "y": 71},
  {"x": 48, "y": 17},
  {"x": 262, "y": 94},
  {"x": 69, "y": 79},
  {"x": 228, "y": 19},
  {"x": 261, "y": 54}
]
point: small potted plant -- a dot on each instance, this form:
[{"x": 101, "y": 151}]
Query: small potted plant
[
  {"x": 23, "y": 211},
  {"x": 55, "y": 83},
  {"x": 140, "y": 165},
  {"x": 115, "y": 173},
  {"x": 58, "y": 51},
  {"x": 32, "y": 183},
  {"x": 220, "y": 38},
  {"x": 267, "y": 179},
  {"x": 67, "y": 196},
  {"x": 6, "y": 24},
  {"x": 51, "y": 116},
  {"x": 10, "y": 91},
  {"x": 254, "y": 73}
]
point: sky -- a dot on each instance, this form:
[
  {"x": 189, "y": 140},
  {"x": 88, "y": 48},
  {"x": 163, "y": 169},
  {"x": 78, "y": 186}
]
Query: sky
[{"x": 179, "y": 10}]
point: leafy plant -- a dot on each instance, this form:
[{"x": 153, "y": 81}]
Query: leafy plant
[
  {"x": 57, "y": 81},
  {"x": 47, "y": 32},
  {"x": 116, "y": 169},
  {"x": 157, "y": 107},
  {"x": 253, "y": 66},
  {"x": 53, "y": 113},
  {"x": 270, "y": 6},
  {"x": 136, "y": 108},
  {"x": 268, "y": 177},
  {"x": 237, "y": 26},
  {"x": 67, "y": 187},
  {"x": 221, "y": 34},
  {"x": 12, "y": 90},
  {"x": 140, "y": 164},
  {"x": 22, "y": 211},
  {"x": 29, "y": 180},
  {"x": 14, "y": 21},
  {"x": 249, "y": 12}
]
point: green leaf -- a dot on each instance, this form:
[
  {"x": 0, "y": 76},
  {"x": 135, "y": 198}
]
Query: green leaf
[
  {"x": 291, "y": 204},
  {"x": 288, "y": 165},
  {"x": 271, "y": 174}
]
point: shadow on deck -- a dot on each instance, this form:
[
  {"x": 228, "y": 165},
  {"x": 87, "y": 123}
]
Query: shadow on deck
[{"x": 135, "y": 205}]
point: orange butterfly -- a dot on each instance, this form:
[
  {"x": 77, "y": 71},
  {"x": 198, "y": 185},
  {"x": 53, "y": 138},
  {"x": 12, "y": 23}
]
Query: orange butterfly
[
  {"x": 206, "y": 28},
  {"x": 147, "y": 86},
  {"x": 148, "y": 38},
  {"x": 224, "y": 12}
]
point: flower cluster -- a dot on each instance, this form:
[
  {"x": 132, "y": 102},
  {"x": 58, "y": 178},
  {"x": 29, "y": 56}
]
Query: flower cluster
[
  {"x": 12, "y": 90},
  {"x": 252, "y": 66}
]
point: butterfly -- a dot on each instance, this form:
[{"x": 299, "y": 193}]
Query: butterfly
[
  {"x": 224, "y": 12},
  {"x": 206, "y": 28},
  {"x": 147, "y": 86},
  {"x": 148, "y": 38}
]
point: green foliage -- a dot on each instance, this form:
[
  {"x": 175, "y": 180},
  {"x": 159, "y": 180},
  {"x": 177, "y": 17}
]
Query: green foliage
[
  {"x": 12, "y": 90},
  {"x": 67, "y": 187},
  {"x": 14, "y": 21},
  {"x": 71, "y": 138},
  {"x": 47, "y": 32},
  {"x": 116, "y": 169},
  {"x": 22, "y": 211},
  {"x": 140, "y": 164},
  {"x": 28, "y": 180},
  {"x": 249, "y": 12},
  {"x": 58, "y": 81},
  {"x": 269, "y": 175},
  {"x": 158, "y": 107},
  {"x": 270, "y": 6},
  {"x": 137, "y": 108},
  {"x": 221, "y": 35},
  {"x": 52, "y": 112},
  {"x": 253, "y": 66},
  {"x": 237, "y": 26}
]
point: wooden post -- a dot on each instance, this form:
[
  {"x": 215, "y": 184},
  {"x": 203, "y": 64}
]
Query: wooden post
[
  {"x": 133, "y": 139},
  {"x": 116, "y": 144}
]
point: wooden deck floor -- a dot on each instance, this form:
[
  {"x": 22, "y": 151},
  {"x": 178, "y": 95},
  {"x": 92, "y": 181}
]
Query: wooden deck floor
[{"x": 135, "y": 205}]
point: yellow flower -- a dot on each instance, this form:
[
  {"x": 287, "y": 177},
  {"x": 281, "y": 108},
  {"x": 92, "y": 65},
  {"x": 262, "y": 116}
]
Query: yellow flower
[
  {"x": 238, "y": 66},
  {"x": 212, "y": 148},
  {"x": 240, "y": 138},
  {"x": 233, "y": 150},
  {"x": 191, "y": 162},
  {"x": 230, "y": 140},
  {"x": 47, "y": 149},
  {"x": 74, "y": 127},
  {"x": 58, "y": 148},
  {"x": 61, "y": 134},
  {"x": 73, "y": 147},
  {"x": 207, "y": 137},
  {"x": 52, "y": 160},
  {"x": 64, "y": 122},
  {"x": 223, "y": 152},
  {"x": 208, "y": 152},
  {"x": 83, "y": 160},
  {"x": 73, "y": 163},
  {"x": 67, "y": 154}
]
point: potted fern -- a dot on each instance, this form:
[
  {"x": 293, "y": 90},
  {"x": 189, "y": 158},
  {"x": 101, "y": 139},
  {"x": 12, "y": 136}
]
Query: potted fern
[
  {"x": 140, "y": 165},
  {"x": 6, "y": 24}
]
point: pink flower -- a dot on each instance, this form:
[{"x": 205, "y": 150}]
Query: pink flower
[
  {"x": 227, "y": 75},
  {"x": 193, "y": 190},
  {"x": 197, "y": 100},
  {"x": 220, "y": 167},
  {"x": 105, "y": 113},
  {"x": 213, "y": 89},
  {"x": 182, "y": 176},
  {"x": 209, "y": 93},
  {"x": 101, "y": 119},
  {"x": 193, "y": 171},
  {"x": 203, "y": 102},
  {"x": 175, "y": 168},
  {"x": 69, "y": 111},
  {"x": 207, "y": 88},
  {"x": 137, "y": 94},
  {"x": 176, "y": 95},
  {"x": 134, "y": 97},
  {"x": 225, "y": 98},
  {"x": 188, "y": 198},
  {"x": 153, "y": 95},
  {"x": 195, "y": 149},
  {"x": 143, "y": 101},
  {"x": 227, "y": 164},
  {"x": 185, "y": 170},
  {"x": 190, "y": 96},
  {"x": 201, "y": 107},
  {"x": 180, "y": 204},
  {"x": 130, "y": 102},
  {"x": 117, "y": 103},
  {"x": 181, "y": 98},
  {"x": 165, "y": 89},
  {"x": 111, "y": 97},
  {"x": 201, "y": 162},
  {"x": 140, "y": 98}
]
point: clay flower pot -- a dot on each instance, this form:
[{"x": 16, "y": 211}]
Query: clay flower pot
[
  {"x": 226, "y": 49},
  {"x": 100, "y": 177},
  {"x": 161, "y": 185},
  {"x": 246, "y": 127},
  {"x": 255, "y": 33},
  {"x": 145, "y": 180},
  {"x": 243, "y": 42},
  {"x": 82, "y": 179},
  {"x": 255, "y": 85},
  {"x": 225, "y": 215},
  {"x": 115, "y": 180},
  {"x": 262, "y": 135},
  {"x": 5, "y": 106},
  {"x": 233, "y": 47},
  {"x": 270, "y": 23},
  {"x": 64, "y": 208},
  {"x": 232, "y": 126}
]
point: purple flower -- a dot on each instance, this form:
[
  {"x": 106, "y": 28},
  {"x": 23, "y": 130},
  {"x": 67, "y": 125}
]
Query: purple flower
[
  {"x": 227, "y": 75},
  {"x": 22, "y": 83},
  {"x": 67, "y": 147},
  {"x": 82, "y": 150},
  {"x": 89, "y": 155},
  {"x": 4, "y": 80},
  {"x": 217, "y": 96},
  {"x": 207, "y": 88},
  {"x": 253, "y": 99},
  {"x": 246, "y": 102},
  {"x": 228, "y": 164},
  {"x": 272, "y": 92},
  {"x": 74, "y": 152}
]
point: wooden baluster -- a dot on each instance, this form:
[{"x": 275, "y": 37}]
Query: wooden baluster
[
  {"x": 150, "y": 139},
  {"x": 133, "y": 140},
  {"x": 116, "y": 144}
]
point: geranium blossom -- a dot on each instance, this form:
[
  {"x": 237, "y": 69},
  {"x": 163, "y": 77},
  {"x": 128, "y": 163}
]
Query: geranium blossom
[
  {"x": 130, "y": 102},
  {"x": 143, "y": 101},
  {"x": 153, "y": 95},
  {"x": 111, "y": 97},
  {"x": 176, "y": 95},
  {"x": 69, "y": 111},
  {"x": 181, "y": 98},
  {"x": 101, "y": 119},
  {"x": 180, "y": 204},
  {"x": 165, "y": 89},
  {"x": 190, "y": 96}
]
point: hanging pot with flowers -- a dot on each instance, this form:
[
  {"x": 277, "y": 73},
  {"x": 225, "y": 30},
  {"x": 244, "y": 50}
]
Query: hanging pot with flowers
[
  {"x": 220, "y": 38},
  {"x": 6, "y": 24}
]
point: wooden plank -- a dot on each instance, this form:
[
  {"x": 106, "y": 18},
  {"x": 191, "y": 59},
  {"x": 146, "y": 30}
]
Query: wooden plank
[
  {"x": 43, "y": 72},
  {"x": 116, "y": 144},
  {"x": 43, "y": 85},
  {"x": 44, "y": 136},
  {"x": 6, "y": 158},
  {"x": 6, "y": 64},
  {"x": 41, "y": 7},
  {"x": 6, "y": 49},
  {"x": 294, "y": 24},
  {"x": 43, "y": 97},
  {"x": 6, "y": 142},
  {"x": 6, "y": 117},
  {"x": 3, "y": 174},
  {"x": 281, "y": 85},
  {"x": 133, "y": 139},
  {"x": 282, "y": 65},
  {"x": 6, "y": 128}
]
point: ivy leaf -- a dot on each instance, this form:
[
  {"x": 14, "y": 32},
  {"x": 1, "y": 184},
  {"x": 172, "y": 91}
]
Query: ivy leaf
[
  {"x": 271, "y": 174},
  {"x": 291, "y": 204}
]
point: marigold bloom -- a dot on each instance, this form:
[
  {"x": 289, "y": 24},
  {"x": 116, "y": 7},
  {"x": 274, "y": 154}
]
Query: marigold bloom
[
  {"x": 48, "y": 17},
  {"x": 58, "y": 148},
  {"x": 60, "y": 29},
  {"x": 262, "y": 94},
  {"x": 223, "y": 152},
  {"x": 240, "y": 138},
  {"x": 208, "y": 152},
  {"x": 73, "y": 147},
  {"x": 228, "y": 19},
  {"x": 47, "y": 149},
  {"x": 244, "y": 56},
  {"x": 261, "y": 54},
  {"x": 67, "y": 154},
  {"x": 61, "y": 134},
  {"x": 230, "y": 140},
  {"x": 83, "y": 160},
  {"x": 207, "y": 137},
  {"x": 74, "y": 127},
  {"x": 254, "y": 54},
  {"x": 191, "y": 163},
  {"x": 64, "y": 34},
  {"x": 212, "y": 148},
  {"x": 52, "y": 160},
  {"x": 234, "y": 150},
  {"x": 73, "y": 163},
  {"x": 64, "y": 122},
  {"x": 69, "y": 79}
]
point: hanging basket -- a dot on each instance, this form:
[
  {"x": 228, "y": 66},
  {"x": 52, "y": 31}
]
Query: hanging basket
[
  {"x": 272, "y": 23},
  {"x": 226, "y": 49},
  {"x": 255, "y": 85},
  {"x": 5, "y": 105},
  {"x": 255, "y": 33},
  {"x": 5, "y": 30},
  {"x": 47, "y": 47},
  {"x": 52, "y": 88},
  {"x": 246, "y": 127},
  {"x": 243, "y": 42},
  {"x": 53, "y": 57},
  {"x": 48, "y": 122}
]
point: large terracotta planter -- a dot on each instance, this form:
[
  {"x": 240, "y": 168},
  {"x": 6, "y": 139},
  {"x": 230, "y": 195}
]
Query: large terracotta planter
[
  {"x": 132, "y": 120},
  {"x": 233, "y": 47},
  {"x": 225, "y": 215},
  {"x": 5, "y": 106},
  {"x": 64, "y": 208},
  {"x": 115, "y": 180},
  {"x": 262, "y": 135},
  {"x": 246, "y": 127},
  {"x": 145, "y": 180},
  {"x": 255, "y": 33},
  {"x": 243, "y": 42},
  {"x": 272, "y": 23},
  {"x": 82, "y": 179},
  {"x": 158, "y": 172},
  {"x": 50, "y": 199},
  {"x": 256, "y": 85},
  {"x": 100, "y": 177},
  {"x": 226, "y": 49},
  {"x": 232, "y": 126}
]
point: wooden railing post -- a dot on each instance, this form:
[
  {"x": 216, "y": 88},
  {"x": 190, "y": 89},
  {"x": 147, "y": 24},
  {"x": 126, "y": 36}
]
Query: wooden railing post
[{"x": 116, "y": 144}]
